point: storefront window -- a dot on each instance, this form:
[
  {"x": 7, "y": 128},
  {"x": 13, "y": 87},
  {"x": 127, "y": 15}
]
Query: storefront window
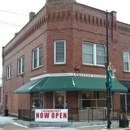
[
  {"x": 92, "y": 99},
  {"x": 60, "y": 100},
  {"x": 37, "y": 100}
]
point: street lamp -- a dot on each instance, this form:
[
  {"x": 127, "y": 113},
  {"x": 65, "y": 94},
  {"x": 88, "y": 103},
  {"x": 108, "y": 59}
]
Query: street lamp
[{"x": 108, "y": 77}]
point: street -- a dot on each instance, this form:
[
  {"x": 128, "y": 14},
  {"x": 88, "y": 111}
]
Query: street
[{"x": 10, "y": 123}]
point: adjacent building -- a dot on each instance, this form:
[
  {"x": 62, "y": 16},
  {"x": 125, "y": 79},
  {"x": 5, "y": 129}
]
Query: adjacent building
[{"x": 57, "y": 60}]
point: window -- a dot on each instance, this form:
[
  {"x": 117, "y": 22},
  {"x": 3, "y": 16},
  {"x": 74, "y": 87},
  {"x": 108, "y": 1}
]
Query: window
[
  {"x": 8, "y": 71},
  {"x": 92, "y": 99},
  {"x": 126, "y": 59},
  {"x": 60, "y": 101},
  {"x": 93, "y": 54},
  {"x": 37, "y": 100},
  {"x": 37, "y": 57},
  {"x": 21, "y": 65},
  {"x": 59, "y": 52}
]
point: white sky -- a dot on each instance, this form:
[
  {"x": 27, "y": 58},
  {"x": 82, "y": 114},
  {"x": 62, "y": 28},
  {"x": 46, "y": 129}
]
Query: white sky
[{"x": 13, "y": 22}]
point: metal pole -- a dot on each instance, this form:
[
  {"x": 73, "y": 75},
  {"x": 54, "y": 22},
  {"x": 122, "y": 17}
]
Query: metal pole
[{"x": 107, "y": 85}]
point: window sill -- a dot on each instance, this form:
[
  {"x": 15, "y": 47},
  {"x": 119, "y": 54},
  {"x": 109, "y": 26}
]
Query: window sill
[
  {"x": 33, "y": 109},
  {"x": 126, "y": 71},
  {"x": 22, "y": 74},
  {"x": 37, "y": 68},
  {"x": 8, "y": 79},
  {"x": 62, "y": 63},
  {"x": 102, "y": 66},
  {"x": 59, "y": 64}
]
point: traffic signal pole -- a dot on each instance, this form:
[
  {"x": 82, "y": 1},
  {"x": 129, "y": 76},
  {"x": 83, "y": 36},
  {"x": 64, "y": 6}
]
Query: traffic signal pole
[{"x": 108, "y": 77}]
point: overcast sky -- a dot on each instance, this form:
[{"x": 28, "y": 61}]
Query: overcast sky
[{"x": 14, "y": 14}]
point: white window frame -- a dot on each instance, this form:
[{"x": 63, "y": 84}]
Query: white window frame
[
  {"x": 21, "y": 65},
  {"x": 128, "y": 53},
  {"x": 38, "y": 55},
  {"x": 8, "y": 71},
  {"x": 55, "y": 62},
  {"x": 94, "y": 54}
]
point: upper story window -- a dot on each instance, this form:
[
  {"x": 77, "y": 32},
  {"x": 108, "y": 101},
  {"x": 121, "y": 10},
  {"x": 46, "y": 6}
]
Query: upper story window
[
  {"x": 126, "y": 58},
  {"x": 38, "y": 57},
  {"x": 60, "y": 52},
  {"x": 21, "y": 65},
  {"x": 8, "y": 71},
  {"x": 93, "y": 54}
]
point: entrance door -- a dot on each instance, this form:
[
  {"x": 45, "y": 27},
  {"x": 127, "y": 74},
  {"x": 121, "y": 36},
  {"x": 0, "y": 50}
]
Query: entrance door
[{"x": 60, "y": 100}]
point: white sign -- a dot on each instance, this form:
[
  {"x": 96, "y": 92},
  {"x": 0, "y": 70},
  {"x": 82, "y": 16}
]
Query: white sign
[
  {"x": 52, "y": 75},
  {"x": 69, "y": 74},
  {"x": 51, "y": 115},
  {"x": 90, "y": 75}
]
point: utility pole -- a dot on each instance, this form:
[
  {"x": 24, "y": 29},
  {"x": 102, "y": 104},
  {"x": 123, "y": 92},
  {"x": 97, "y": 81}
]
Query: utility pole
[{"x": 108, "y": 77}]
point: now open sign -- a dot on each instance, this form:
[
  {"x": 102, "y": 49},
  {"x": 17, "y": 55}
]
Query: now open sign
[{"x": 51, "y": 115}]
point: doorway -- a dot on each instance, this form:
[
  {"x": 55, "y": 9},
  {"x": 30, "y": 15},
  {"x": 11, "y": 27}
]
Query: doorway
[{"x": 60, "y": 100}]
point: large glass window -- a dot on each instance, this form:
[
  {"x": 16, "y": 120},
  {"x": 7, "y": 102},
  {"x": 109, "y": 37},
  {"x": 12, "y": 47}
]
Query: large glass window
[
  {"x": 37, "y": 100},
  {"x": 38, "y": 57},
  {"x": 21, "y": 65},
  {"x": 8, "y": 71},
  {"x": 59, "y": 52},
  {"x": 126, "y": 58},
  {"x": 93, "y": 54},
  {"x": 92, "y": 99}
]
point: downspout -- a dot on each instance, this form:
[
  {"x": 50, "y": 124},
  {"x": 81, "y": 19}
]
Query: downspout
[{"x": 2, "y": 95}]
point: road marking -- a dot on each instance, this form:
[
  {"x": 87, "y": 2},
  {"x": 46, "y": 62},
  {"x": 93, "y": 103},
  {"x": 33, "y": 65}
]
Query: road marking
[{"x": 1, "y": 129}]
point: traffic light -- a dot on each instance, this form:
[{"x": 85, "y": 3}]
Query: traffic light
[{"x": 109, "y": 78}]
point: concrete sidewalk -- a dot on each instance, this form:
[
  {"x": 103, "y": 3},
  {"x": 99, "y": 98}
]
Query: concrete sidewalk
[
  {"x": 65, "y": 124},
  {"x": 78, "y": 125},
  {"x": 82, "y": 125}
]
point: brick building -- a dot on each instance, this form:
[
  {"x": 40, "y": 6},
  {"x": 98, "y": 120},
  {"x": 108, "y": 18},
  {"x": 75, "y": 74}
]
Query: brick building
[
  {"x": 57, "y": 60},
  {"x": 1, "y": 97}
]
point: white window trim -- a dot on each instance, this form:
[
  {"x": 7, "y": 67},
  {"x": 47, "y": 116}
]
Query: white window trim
[
  {"x": 21, "y": 70},
  {"x": 37, "y": 58},
  {"x": 128, "y": 61},
  {"x": 94, "y": 55},
  {"x": 8, "y": 71},
  {"x": 64, "y": 52}
]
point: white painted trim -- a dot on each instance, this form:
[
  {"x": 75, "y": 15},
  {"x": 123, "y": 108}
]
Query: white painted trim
[
  {"x": 68, "y": 74},
  {"x": 52, "y": 75},
  {"x": 55, "y": 52}
]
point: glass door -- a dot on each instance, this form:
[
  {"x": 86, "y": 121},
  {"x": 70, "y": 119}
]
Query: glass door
[{"x": 60, "y": 100}]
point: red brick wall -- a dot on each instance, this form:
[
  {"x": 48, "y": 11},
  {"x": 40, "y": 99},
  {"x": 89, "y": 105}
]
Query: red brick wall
[
  {"x": 48, "y": 98},
  {"x": 72, "y": 99},
  {"x": 116, "y": 101}
]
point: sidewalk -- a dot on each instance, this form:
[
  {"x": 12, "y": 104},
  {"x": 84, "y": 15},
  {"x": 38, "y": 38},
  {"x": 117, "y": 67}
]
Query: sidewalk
[{"x": 92, "y": 125}]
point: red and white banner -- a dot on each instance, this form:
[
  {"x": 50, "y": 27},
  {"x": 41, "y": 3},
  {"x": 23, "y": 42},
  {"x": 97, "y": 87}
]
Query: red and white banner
[{"x": 51, "y": 115}]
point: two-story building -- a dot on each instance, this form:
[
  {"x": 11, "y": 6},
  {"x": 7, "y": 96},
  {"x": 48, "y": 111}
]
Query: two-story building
[{"x": 57, "y": 60}]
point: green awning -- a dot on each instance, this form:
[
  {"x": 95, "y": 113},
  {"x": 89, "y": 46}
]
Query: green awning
[
  {"x": 26, "y": 88},
  {"x": 97, "y": 84},
  {"x": 69, "y": 83}
]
